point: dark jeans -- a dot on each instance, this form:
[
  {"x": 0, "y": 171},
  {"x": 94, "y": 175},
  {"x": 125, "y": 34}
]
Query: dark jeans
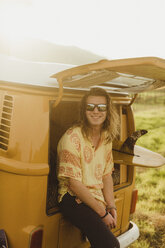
[{"x": 89, "y": 222}]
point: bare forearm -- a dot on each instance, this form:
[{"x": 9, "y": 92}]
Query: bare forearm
[
  {"x": 82, "y": 192},
  {"x": 108, "y": 190},
  {"x": 109, "y": 198}
]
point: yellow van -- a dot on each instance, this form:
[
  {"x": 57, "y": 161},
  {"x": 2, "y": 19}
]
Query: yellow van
[{"x": 38, "y": 102}]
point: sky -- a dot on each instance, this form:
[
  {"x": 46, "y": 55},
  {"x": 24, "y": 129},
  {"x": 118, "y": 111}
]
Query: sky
[{"x": 111, "y": 28}]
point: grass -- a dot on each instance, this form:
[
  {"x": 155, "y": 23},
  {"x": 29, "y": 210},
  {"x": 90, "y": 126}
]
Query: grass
[
  {"x": 154, "y": 122},
  {"x": 150, "y": 209}
]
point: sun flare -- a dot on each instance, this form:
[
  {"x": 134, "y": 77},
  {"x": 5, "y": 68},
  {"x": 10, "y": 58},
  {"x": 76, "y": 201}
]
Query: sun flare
[{"x": 17, "y": 22}]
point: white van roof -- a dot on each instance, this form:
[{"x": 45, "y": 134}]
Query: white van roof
[{"x": 30, "y": 73}]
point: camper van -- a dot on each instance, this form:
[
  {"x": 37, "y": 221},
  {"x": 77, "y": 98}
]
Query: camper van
[{"x": 38, "y": 103}]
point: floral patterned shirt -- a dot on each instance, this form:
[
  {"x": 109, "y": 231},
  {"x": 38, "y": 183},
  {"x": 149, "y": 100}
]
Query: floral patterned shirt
[{"x": 79, "y": 160}]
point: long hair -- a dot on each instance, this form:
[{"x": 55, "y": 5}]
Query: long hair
[{"x": 111, "y": 122}]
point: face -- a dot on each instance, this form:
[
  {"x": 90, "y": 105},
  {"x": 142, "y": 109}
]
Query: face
[{"x": 96, "y": 118}]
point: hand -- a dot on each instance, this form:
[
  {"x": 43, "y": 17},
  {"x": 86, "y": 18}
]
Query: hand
[
  {"x": 113, "y": 212},
  {"x": 109, "y": 221}
]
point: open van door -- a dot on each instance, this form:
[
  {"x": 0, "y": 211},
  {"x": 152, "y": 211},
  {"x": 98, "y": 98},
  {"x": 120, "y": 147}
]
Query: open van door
[{"x": 125, "y": 76}]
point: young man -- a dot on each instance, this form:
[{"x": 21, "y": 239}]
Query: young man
[{"x": 85, "y": 166}]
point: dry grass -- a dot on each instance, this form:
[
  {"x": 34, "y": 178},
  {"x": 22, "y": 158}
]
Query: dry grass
[
  {"x": 152, "y": 230},
  {"x": 150, "y": 211}
]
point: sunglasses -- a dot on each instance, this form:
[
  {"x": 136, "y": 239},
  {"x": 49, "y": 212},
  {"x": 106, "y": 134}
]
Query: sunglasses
[{"x": 100, "y": 107}]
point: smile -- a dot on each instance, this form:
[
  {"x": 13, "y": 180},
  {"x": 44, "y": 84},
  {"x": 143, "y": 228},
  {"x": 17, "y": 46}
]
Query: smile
[{"x": 96, "y": 117}]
